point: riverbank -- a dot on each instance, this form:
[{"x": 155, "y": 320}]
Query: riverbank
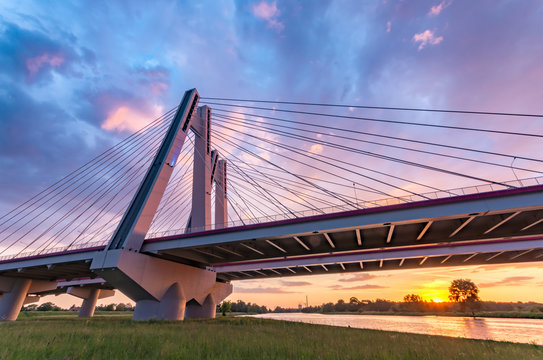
[{"x": 64, "y": 336}]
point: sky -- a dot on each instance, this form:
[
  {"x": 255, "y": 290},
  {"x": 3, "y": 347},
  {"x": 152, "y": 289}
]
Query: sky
[{"x": 76, "y": 77}]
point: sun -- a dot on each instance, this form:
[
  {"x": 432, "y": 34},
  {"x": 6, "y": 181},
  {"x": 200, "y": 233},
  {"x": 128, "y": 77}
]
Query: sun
[{"x": 437, "y": 300}]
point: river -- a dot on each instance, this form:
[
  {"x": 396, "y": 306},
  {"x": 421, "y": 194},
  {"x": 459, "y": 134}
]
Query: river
[{"x": 499, "y": 329}]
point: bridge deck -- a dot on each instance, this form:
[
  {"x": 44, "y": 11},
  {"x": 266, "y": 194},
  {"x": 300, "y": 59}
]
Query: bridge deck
[{"x": 486, "y": 228}]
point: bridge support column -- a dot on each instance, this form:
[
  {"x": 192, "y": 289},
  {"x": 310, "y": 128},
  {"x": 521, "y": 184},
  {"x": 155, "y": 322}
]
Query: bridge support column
[
  {"x": 90, "y": 297},
  {"x": 207, "y": 308},
  {"x": 170, "y": 307},
  {"x": 11, "y": 302},
  {"x": 89, "y": 304},
  {"x": 15, "y": 294},
  {"x": 159, "y": 287}
]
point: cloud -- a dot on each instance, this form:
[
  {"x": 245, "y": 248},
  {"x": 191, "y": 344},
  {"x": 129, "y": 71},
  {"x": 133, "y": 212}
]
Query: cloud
[
  {"x": 126, "y": 118},
  {"x": 295, "y": 283},
  {"x": 358, "y": 277},
  {"x": 358, "y": 287},
  {"x": 512, "y": 280},
  {"x": 34, "y": 56},
  {"x": 426, "y": 37},
  {"x": 268, "y": 12},
  {"x": 155, "y": 78},
  {"x": 34, "y": 64},
  {"x": 35, "y": 138},
  {"x": 389, "y": 26},
  {"x": 262, "y": 290},
  {"x": 437, "y": 9}
]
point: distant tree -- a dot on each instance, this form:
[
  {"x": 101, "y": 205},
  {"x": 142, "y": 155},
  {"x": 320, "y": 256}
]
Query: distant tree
[
  {"x": 354, "y": 304},
  {"x": 466, "y": 293},
  {"x": 340, "y": 306},
  {"x": 412, "y": 298},
  {"x": 381, "y": 305},
  {"x": 328, "y": 307},
  {"x": 412, "y": 302},
  {"x": 48, "y": 306},
  {"x": 122, "y": 307},
  {"x": 108, "y": 307},
  {"x": 226, "y": 306},
  {"x": 31, "y": 307}
]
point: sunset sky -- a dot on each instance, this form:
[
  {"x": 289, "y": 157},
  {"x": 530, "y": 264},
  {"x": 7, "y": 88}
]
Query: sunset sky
[{"x": 76, "y": 77}]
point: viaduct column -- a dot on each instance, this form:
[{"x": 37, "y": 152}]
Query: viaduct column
[
  {"x": 15, "y": 293},
  {"x": 90, "y": 296}
]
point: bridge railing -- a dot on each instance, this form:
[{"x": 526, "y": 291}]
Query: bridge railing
[
  {"x": 476, "y": 189},
  {"x": 58, "y": 249}
]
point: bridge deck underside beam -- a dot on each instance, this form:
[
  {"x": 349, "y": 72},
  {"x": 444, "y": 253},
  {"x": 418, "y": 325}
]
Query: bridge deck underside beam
[
  {"x": 455, "y": 222},
  {"x": 375, "y": 237}
]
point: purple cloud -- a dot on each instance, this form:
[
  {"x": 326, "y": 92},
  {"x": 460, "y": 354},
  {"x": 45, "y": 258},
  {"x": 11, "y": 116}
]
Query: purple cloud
[
  {"x": 359, "y": 287},
  {"x": 358, "y": 277},
  {"x": 295, "y": 283},
  {"x": 508, "y": 281},
  {"x": 262, "y": 290}
]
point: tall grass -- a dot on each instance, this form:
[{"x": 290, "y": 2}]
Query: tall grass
[{"x": 63, "y": 336}]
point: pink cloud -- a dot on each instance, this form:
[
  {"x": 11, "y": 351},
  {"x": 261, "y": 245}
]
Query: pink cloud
[
  {"x": 126, "y": 118},
  {"x": 35, "y": 64},
  {"x": 156, "y": 79},
  {"x": 427, "y": 37},
  {"x": 268, "y": 12},
  {"x": 437, "y": 9},
  {"x": 158, "y": 87}
]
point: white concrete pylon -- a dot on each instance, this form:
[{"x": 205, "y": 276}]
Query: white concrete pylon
[
  {"x": 221, "y": 203},
  {"x": 201, "y": 183},
  {"x": 160, "y": 287}
]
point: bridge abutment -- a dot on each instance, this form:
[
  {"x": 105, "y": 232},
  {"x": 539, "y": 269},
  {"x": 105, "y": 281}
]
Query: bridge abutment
[{"x": 161, "y": 288}]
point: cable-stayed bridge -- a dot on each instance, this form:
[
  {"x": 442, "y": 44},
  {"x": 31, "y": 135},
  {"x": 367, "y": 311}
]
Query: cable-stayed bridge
[{"x": 244, "y": 189}]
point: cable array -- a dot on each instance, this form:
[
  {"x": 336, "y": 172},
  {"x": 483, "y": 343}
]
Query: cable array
[
  {"x": 288, "y": 160},
  {"x": 84, "y": 207}
]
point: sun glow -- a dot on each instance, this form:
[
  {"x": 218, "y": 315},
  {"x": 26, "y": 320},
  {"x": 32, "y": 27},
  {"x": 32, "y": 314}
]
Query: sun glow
[{"x": 435, "y": 295}]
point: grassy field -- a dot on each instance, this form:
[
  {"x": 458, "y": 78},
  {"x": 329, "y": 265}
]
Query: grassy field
[{"x": 64, "y": 336}]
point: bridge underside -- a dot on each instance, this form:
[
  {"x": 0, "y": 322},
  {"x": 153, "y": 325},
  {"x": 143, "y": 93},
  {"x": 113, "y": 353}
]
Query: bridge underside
[
  {"x": 483, "y": 231},
  {"x": 277, "y": 256}
]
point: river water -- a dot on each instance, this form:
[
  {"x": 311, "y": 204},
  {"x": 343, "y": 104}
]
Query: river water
[{"x": 500, "y": 329}]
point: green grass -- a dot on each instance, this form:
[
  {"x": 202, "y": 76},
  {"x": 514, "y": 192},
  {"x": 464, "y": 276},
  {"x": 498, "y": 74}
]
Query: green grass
[{"x": 64, "y": 336}]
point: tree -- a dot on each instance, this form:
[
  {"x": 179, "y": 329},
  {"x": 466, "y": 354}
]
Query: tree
[
  {"x": 466, "y": 293},
  {"x": 412, "y": 298},
  {"x": 225, "y": 307},
  {"x": 412, "y": 302},
  {"x": 31, "y": 307},
  {"x": 48, "y": 306}
]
